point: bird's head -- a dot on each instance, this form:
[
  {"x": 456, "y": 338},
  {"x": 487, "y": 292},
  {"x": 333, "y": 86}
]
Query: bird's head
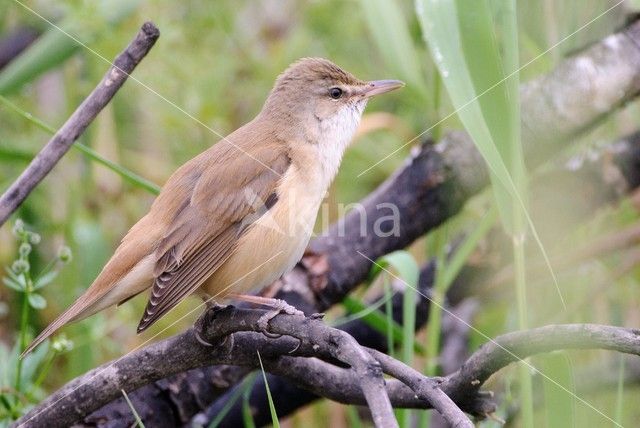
[{"x": 322, "y": 99}]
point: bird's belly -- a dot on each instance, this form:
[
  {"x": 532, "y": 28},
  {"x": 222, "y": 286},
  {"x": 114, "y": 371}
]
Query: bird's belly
[{"x": 271, "y": 247}]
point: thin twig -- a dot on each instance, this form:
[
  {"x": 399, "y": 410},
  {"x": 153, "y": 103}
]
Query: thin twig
[
  {"x": 60, "y": 143},
  {"x": 425, "y": 388}
]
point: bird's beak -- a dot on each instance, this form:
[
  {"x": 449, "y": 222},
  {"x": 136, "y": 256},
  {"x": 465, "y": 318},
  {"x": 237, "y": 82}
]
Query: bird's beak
[{"x": 377, "y": 87}]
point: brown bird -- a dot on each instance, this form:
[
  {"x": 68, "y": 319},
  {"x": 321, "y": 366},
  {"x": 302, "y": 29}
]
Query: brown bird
[{"x": 240, "y": 214}]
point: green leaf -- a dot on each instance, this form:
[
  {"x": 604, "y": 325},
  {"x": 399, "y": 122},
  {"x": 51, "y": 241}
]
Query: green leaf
[
  {"x": 17, "y": 280},
  {"x": 11, "y": 154},
  {"x": 36, "y": 301},
  {"x": 32, "y": 362},
  {"x": 128, "y": 175},
  {"x": 466, "y": 51},
  {"x": 391, "y": 34},
  {"x": 45, "y": 279},
  {"x": 559, "y": 406},
  {"x": 13, "y": 284},
  {"x": 48, "y": 51},
  {"x": 463, "y": 252},
  {"x": 247, "y": 413}
]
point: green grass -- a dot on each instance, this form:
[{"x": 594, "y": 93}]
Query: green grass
[{"x": 272, "y": 408}]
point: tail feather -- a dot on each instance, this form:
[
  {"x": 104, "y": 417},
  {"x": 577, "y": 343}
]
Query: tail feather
[
  {"x": 104, "y": 292},
  {"x": 75, "y": 312}
]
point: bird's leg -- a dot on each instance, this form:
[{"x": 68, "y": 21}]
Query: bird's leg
[{"x": 279, "y": 307}]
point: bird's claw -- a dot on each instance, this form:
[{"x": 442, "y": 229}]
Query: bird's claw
[{"x": 279, "y": 307}]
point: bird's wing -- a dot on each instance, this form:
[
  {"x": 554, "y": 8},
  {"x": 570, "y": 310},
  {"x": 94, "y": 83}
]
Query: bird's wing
[{"x": 230, "y": 194}]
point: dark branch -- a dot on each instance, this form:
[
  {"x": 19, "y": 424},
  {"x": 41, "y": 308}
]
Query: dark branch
[
  {"x": 233, "y": 331},
  {"x": 425, "y": 388},
  {"x": 60, "y": 143}
]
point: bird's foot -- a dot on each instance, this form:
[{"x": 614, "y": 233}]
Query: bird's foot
[{"x": 279, "y": 307}]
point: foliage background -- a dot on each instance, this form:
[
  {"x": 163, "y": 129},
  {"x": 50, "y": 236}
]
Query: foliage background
[{"x": 217, "y": 61}]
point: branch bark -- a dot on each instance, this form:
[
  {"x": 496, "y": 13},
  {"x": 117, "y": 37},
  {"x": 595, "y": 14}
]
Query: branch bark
[
  {"x": 61, "y": 142},
  {"x": 298, "y": 354}
]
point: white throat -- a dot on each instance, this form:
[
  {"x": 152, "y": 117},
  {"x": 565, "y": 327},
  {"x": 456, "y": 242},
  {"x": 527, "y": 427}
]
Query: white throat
[{"x": 335, "y": 134}]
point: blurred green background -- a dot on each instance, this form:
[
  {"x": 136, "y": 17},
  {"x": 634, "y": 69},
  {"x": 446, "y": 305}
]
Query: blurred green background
[{"x": 214, "y": 64}]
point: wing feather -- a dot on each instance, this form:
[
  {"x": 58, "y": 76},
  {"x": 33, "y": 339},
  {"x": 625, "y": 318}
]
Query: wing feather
[{"x": 225, "y": 198}]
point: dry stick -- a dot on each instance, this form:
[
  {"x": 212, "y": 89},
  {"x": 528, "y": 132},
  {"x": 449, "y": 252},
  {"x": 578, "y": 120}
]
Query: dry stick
[
  {"x": 425, "y": 388},
  {"x": 61, "y": 142}
]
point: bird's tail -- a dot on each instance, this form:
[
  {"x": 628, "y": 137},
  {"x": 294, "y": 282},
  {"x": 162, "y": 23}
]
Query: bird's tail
[{"x": 79, "y": 310}]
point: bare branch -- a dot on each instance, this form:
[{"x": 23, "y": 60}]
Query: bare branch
[
  {"x": 425, "y": 388},
  {"x": 60, "y": 143},
  {"x": 233, "y": 331}
]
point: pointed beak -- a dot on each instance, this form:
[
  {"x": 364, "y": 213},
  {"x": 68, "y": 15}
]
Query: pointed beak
[{"x": 377, "y": 87}]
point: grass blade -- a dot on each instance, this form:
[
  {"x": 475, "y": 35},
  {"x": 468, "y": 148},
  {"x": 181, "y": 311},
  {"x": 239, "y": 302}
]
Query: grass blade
[
  {"x": 235, "y": 396},
  {"x": 133, "y": 409},
  {"x": 370, "y": 315},
  {"x": 390, "y": 32},
  {"x": 620, "y": 391},
  {"x": 54, "y": 47},
  {"x": 407, "y": 269},
  {"x": 272, "y": 407},
  {"x": 559, "y": 406},
  {"x": 125, "y": 173}
]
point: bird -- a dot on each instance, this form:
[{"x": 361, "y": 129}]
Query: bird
[{"x": 240, "y": 214}]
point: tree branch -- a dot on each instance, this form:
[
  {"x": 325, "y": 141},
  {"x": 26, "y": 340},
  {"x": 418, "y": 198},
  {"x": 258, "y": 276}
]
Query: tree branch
[
  {"x": 425, "y": 389},
  {"x": 60, "y": 143},
  {"x": 233, "y": 331}
]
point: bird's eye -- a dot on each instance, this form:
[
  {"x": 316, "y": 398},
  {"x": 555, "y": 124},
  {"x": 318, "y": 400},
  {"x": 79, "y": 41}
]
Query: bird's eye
[{"x": 335, "y": 93}]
